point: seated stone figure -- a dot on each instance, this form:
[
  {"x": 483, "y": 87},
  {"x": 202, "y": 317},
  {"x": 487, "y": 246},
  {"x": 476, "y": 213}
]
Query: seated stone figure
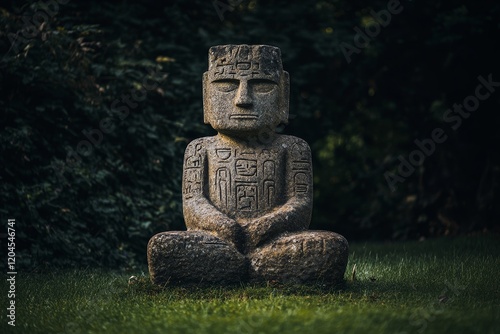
[{"x": 247, "y": 192}]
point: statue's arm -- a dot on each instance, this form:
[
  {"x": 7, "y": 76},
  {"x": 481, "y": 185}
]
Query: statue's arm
[
  {"x": 199, "y": 213},
  {"x": 295, "y": 213}
]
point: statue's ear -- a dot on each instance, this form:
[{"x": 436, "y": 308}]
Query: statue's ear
[
  {"x": 285, "y": 98},
  {"x": 206, "y": 111}
]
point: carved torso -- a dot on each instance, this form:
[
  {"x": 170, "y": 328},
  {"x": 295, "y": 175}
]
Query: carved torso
[{"x": 247, "y": 181}]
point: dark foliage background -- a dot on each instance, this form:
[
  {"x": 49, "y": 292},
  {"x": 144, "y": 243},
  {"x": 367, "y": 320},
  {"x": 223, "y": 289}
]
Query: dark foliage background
[{"x": 78, "y": 65}]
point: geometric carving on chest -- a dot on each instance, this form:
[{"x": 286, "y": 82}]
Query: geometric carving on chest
[
  {"x": 299, "y": 154},
  {"x": 193, "y": 171},
  {"x": 223, "y": 185},
  {"x": 245, "y": 180},
  {"x": 192, "y": 182},
  {"x": 300, "y": 182},
  {"x": 246, "y": 197},
  {"x": 246, "y": 167},
  {"x": 269, "y": 182},
  {"x": 302, "y": 167},
  {"x": 194, "y": 159},
  {"x": 223, "y": 154}
]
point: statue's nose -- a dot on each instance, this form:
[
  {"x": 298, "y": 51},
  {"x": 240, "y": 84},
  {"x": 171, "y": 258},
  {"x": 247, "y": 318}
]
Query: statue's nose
[{"x": 243, "y": 98}]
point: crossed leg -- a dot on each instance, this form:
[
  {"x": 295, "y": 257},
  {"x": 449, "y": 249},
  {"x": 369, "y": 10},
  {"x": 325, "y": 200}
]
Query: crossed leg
[
  {"x": 308, "y": 256},
  {"x": 194, "y": 257},
  {"x": 199, "y": 257}
]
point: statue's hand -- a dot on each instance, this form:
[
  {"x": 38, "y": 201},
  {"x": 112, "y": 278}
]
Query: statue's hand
[
  {"x": 230, "y": 231},
  {"x": 256, "y": 232}
]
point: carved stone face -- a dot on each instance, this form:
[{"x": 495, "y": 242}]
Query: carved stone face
[{"x": 245, "y": 89}]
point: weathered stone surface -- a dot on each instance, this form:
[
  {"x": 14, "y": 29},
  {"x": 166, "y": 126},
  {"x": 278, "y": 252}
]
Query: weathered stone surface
[
  {"x": 194, "y": 257},
  {"x": 299, "y": 257},
  {"x": 247, "y": 192}
]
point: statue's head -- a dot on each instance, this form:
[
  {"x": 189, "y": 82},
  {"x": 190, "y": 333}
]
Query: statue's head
[{"x": 245, "y": 89}]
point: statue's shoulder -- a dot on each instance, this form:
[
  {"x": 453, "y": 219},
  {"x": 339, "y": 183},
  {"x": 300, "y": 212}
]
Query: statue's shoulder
[
  {"x": 200, "y": 143},
  {"x": 198, "y": 147},
  {"x": 290, "y": 142}
]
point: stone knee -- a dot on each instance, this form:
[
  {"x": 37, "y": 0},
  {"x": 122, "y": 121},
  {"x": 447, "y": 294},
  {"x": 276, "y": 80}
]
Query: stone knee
[
  {"x": 309, "y": 256},
  {"x": 194, "y": 257}
]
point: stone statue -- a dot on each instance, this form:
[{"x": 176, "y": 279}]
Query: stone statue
[{"x": 247, "y": 192}]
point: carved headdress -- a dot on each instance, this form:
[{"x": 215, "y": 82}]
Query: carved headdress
[{"x": 255, "y": 61}]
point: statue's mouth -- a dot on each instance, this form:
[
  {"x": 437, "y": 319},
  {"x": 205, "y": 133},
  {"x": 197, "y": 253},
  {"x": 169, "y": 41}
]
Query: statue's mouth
[{"x": 244, "y": 116}]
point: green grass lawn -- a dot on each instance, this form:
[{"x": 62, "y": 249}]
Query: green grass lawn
[{"x": 435, "y": 286}]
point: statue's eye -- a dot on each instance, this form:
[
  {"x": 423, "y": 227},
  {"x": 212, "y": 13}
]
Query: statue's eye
[
  {"x": 263, "y": 86},
  {"x": 226, "y": 85}
]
